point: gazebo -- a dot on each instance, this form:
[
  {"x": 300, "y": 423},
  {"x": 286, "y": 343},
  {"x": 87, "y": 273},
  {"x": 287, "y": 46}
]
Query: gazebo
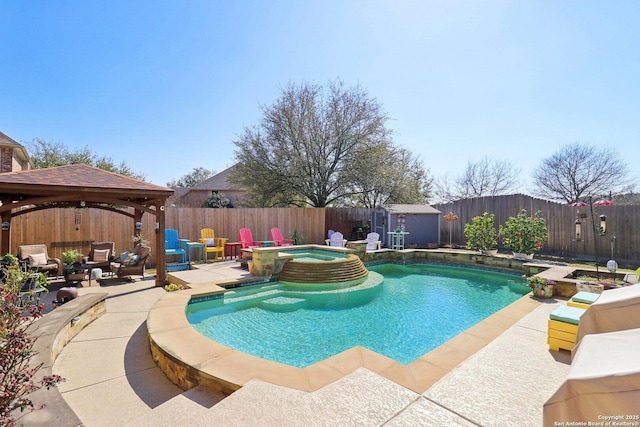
[{"x": 82, "y": 185}]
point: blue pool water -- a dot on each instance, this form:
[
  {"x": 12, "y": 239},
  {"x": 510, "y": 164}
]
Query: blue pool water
[
  {"x": 416, "y": 309},
  {"x": 314, "y": 255}
]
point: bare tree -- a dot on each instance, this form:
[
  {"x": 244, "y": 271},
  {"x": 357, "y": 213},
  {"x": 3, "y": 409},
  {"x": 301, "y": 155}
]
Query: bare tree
[
  {"x": 486, "y": 178},
  {"x": 443, "y": 189},
  {"x": 483, "y": 178},
  {"x": 579, "y": 171},
  {"x": 386, "y": 174},
  {"x": 307, "y": 141}
]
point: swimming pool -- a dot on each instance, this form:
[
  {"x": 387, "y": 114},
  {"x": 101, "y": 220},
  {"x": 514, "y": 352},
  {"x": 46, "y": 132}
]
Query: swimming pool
[{"x": 417, "y": 308}]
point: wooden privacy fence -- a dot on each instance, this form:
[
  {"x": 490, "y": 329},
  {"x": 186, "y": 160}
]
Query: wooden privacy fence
[
  {"x": 62, "y": 229},
  {"x": 621, "y": 242}
]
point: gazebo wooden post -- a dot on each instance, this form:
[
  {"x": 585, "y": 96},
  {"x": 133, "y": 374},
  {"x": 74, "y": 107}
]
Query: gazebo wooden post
[
  {"x": 6, "y": 234},
  {"x": 161, "y": 261}
]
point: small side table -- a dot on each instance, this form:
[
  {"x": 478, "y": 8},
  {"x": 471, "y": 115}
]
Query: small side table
[
  {"x": 232, "y": 249},
  {"x": 76, "y": 275},
  {"x": 202, "y": 254},
  {"x": 268, "y": 243}
]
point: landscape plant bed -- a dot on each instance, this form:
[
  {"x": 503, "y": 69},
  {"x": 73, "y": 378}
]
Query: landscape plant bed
[{"x": 604, "y": 277}]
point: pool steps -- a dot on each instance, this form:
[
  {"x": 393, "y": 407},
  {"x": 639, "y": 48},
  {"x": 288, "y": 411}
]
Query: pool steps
[{"x": 283, "y": 304}]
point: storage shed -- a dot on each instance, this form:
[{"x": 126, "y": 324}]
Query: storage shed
[{"x": 420, "y": 223}]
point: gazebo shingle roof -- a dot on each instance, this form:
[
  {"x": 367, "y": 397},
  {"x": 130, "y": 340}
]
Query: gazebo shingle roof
[{"x": 79, "y": 176}]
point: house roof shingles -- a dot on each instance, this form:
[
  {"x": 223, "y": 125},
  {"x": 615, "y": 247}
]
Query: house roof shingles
[{"x": 218, "y": 182}]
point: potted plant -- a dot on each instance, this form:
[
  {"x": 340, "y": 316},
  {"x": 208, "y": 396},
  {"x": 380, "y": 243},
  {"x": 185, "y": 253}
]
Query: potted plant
[
  {"x": 481, "y": 234},
  {"x": 296, "y": 236},
  {"x": 71, "y": 257},
  {"x": 9, "y": 260},
  {"x": 524, "y": 234},
  {"x": 19, "y": 277},
  {"x": 540, "y": 286}
]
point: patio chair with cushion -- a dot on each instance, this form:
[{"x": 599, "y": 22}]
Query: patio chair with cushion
[
  {"x": 276, "y": 236},
  {"x": 174, "y": 245},
  {"x": 131, "y": 263},
  {"x": 36, "y": 257},
  {"x": 212, "y": 244},
  {"x": 101, "y": 254}
]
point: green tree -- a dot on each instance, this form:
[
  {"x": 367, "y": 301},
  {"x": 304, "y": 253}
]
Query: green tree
[
  {"x": 46, "y": 154},
  {"x": 196, "y": 176},
  {"x": 307, "y": 142}
]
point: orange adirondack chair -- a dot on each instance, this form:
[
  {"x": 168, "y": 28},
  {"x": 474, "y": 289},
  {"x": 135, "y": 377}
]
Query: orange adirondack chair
[
  {"x": 276, "y": 236},
  {"x": 245, "y": 237}
]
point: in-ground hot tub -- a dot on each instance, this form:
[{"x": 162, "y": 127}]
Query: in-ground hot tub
[{"x": 315, "y": 265}]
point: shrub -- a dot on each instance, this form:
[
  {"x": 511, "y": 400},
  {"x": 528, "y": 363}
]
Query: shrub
[
  {"x": 525, "y": 234},
  {"x": 173, "y": 287},
  {"x": 16, "y": 344},
  {"x": 481, "y": 232}
]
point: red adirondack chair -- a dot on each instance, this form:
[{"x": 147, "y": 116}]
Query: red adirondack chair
[
  {"x": 245, "y": 237},
  {"x": 276, "y": 236}
]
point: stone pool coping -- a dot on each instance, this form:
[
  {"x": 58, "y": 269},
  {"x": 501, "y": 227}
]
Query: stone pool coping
[{"x": 189, "y": 359}]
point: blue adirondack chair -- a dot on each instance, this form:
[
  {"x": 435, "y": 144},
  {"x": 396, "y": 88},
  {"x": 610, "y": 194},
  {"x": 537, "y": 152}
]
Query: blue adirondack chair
[{"x": 174, "y": 245}]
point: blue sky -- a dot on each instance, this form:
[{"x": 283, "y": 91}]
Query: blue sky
[{"x": 168, "y": 85}]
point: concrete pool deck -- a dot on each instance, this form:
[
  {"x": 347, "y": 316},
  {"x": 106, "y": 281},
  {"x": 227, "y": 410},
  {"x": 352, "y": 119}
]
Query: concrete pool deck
[{"x": 498, "y": 372}]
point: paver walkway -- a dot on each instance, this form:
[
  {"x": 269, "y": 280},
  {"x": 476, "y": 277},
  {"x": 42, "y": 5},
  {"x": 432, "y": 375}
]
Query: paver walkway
[{"x": 112, "y": 380}]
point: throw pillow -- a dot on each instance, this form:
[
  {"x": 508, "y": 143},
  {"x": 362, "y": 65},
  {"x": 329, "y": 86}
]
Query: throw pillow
[
  {"x": 134, "y": 260},
  {"x": 129, "y": 259},
  {"x": 124, "y": 256},
  {"x": 211, "y": 242},
  {"x": 37, "y": 259},
  {"x": 101, "y": 255}
]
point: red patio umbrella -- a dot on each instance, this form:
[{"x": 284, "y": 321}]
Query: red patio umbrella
[
  {"x": 603, "y": 202},
  {"x": 577, "y": 204}
]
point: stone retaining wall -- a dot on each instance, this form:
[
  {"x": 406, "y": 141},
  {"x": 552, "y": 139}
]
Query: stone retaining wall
[{"x": 54, "y": 330}]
